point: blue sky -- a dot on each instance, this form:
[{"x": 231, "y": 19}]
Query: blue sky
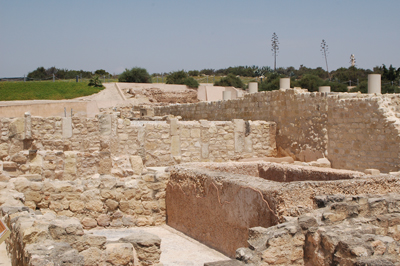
[{"x": 170, "y": 35}]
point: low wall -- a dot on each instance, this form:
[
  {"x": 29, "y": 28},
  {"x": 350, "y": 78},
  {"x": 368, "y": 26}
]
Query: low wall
[
  {"x": 48, "y": 108},
  {"x": 97, "y": 143},
  {"x": 354, "y": 131},
  {"x": 99, "y": 201},
  {"x": 218, "y": 208},
  {"x": 56, "y": 240}
]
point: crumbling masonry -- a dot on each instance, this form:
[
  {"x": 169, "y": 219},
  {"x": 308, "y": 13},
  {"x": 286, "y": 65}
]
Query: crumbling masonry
[{"x": 242, "y": 178}]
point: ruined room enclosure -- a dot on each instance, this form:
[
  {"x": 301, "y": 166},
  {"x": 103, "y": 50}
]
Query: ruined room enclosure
[
  {"x": 278, "y": 214},
  {"x": 62, "y": 179}
]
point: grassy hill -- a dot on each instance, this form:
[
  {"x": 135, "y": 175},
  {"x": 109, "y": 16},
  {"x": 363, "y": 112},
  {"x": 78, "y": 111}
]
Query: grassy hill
[{"x": 44, "y": 90}]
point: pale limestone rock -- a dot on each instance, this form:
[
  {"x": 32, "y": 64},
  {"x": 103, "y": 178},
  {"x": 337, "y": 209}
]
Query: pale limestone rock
[
  {"x": 92, "y": 256},
  {"x": 76, "y": 205},
  {"x": 89, "y": 222},
  {"x": 372, "y": 171},
  {"x": 94, "y": 205},
  {"x": 175, "y": 146},
  {"x": 103, "y": 220},
  {"x": 119, "y": 253},
  {"x": 137, "y": 164}
]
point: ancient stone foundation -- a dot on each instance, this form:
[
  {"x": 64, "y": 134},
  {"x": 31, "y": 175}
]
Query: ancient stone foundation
[
  {"x": 354, "y": 131},
  {"x": 219, "y": 206}
]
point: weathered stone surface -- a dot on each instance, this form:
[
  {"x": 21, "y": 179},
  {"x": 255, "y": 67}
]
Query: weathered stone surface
[
  {"x": 92, "y": 256},
  {"x": 103, "y": 220},
  {"x": 137, "y": 164},
  {"x": 119, "y": 253},
  {"x": 89, "y": 222}
]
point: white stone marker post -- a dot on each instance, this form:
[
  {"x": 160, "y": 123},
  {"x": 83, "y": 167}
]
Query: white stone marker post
[
  {"x": 374, "y": 83},
  {"x": 284, "y": 83},
  {"x": 324, "y": 89},
  {"x": 226, "y": 95},
  {"x": 253, "y": 87}
]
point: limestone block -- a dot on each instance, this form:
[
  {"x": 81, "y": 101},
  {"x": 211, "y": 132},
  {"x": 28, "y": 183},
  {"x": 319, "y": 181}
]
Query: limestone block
[
  {"x": 4, "y": 147},
  {"x": 248, "y": 144},
  {"x": 70, "y": 162},
  {"x": 372, "y": 171},
  {"x": 174, "y": 126},
  {"x": 204, "y": 150},
  {"x": 94, "y": 205},
  {"x": 105, "y": 124},
  {"x": 76, "y": 205},
  {"x": 147, "y": 246},
  {"x": 175, "y": 146},
  {"x": 119, "y": 253},
  {"x": 66, "y": 127},
  {"x": 103, "y": 220},
  {"x": 17, "y": 128},
  {"x": 111, "y": 204},
  {"x": 92, "y": 256},
  {"x": 137, "y": 164},
  {"x": 89, "y": 222},
  {"x": 195, "y": 133}
]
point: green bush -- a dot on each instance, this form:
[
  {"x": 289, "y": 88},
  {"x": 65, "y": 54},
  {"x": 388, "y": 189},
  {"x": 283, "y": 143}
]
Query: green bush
[
  {"x": 191, "y": 83},
  {"x": 95, "y": 82},
  {"x": 181, "y": 77},
  {"x": 230, "y": 80},
  {"x": 310, "y": 82},
  {"x": 136, "y": 74}
]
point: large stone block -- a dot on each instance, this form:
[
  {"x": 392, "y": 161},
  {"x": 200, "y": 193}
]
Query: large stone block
[
  {"x": 119, "y": 253},
  {"x": 137, "y": 164}
]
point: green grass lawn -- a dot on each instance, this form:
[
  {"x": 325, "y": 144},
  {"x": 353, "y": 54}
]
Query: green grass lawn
[
  {"x": 44, "y": 90},
  {"x": 67, "y": 89}
]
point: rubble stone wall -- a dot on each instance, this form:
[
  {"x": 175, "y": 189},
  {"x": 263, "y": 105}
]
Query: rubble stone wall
[
  {"x": 99, "y": 201},
  {"x": 49, "y": 239},
  {"x": 64, "y": 148},
  {"x": 345, "y": 128}
]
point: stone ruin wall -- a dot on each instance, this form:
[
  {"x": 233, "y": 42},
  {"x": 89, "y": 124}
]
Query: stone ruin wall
[
  {"x": 65, "y": 148},
  {"x": 217, "y": 206},
  {"x": 48, "y": 239},
  {"x": 354, "y": 131}
]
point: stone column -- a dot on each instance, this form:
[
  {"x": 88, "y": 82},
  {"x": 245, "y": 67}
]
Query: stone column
[
  {"x": 284, "y": 83},
  {"x": 28, "y": 125},
  {"x": 253, "y": 87},
  {"x": 226, "y": 95},
  {"x": 324, "y": 89},
  {"x": 374, "y": 83}
]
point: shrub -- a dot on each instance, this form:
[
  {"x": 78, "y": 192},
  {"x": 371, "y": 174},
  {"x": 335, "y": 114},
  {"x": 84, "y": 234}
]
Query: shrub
[
  {"x": 310, "y": 82},
  {"x": 191, "y": 83},
  {"x": 136, "y": 74},
  {"x": 95, "y": 82},
  {"x": 230, "y": 80},
  {"x": 181, "y": 77}
]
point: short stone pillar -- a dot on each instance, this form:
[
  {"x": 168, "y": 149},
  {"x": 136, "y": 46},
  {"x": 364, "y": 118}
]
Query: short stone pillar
[
  {"x": 226, "y": 95},
  {"x": 28, "y": 125},
  {"x": 374, "y": 83},
  {"x": 324, "y": 89},
  {"x": 253, "y": 87},
  {"x": 284, "y": 83}
]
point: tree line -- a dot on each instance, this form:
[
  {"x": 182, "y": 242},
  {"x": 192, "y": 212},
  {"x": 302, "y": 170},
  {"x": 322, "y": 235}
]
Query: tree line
[{"x": 42, "y": 73}]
